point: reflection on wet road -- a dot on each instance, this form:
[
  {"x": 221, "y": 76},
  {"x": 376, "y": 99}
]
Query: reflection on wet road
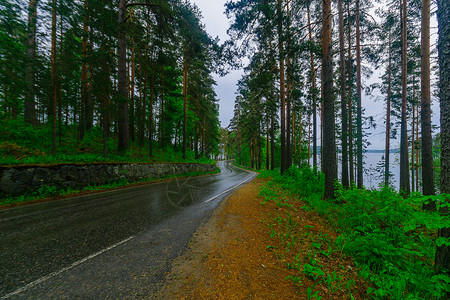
[{"x": 114, "y": 244}]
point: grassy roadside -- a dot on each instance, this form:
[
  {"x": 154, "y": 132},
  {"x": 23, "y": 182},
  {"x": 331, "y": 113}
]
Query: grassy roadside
[
  {"x": 253, "y": 248},
  {"x": 46, "y": 193},
  {"x": 391, "y": 239},
  {"x": 309, "y": 247}
]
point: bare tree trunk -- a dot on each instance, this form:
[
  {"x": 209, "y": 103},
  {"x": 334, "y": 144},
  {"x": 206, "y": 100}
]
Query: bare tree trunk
[
  {"x": 427, "y": 140},
  {"x": 329, "y": 164},
  {"x": 132, "y": 87},
  {"x": 185, "y": 82},
  {"x": 124, "y": 138},
  {"x": 143, "y": 110},
  {"x": 313, "y": 92},
  {"x": 345, "y": 182},
  {"x": 84, "y": 77},
  {"x": 442, "y": 260},
  {"x": 54, "y": 80},
  {"x": 89, "y": 113},
  {"x": 59, "y": 82},
  {"x": 417, "y": 151},
  {"x": 288, "y": 95},
  {"x": 150, "y": 122},
  {"x": 162, "y": 117},
  {"x": 359, "y": 146},
  {"x": 282, "y": 87},
  {"x": 413, "y": 128},
  {"x": 350, "y": 96},
  {"x": 267, "y": 144},
  {"x": 105, "y": 102},
  {"x": 30, "y": 105},
  {"x": 388, "y": 118},
  {"x": 404, "y": 164}
]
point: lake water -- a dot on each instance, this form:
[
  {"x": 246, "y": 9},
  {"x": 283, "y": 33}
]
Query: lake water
[{"x": 374, "y": 169}]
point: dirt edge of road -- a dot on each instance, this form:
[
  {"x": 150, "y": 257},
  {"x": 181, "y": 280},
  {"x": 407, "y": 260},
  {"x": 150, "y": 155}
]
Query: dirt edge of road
[{"x": 232, "y": 256}]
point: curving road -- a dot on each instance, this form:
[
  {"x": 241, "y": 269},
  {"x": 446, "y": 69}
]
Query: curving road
[{"x": 114, "y": 244}]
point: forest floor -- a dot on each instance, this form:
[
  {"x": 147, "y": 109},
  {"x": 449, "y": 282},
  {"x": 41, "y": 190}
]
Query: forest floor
[{"x": 238, "y": 255}]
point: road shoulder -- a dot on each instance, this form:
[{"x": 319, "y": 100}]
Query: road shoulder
[{"x": 228, "y": 258}]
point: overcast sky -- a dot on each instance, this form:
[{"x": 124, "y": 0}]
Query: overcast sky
[{"x": 217, "y": 24}]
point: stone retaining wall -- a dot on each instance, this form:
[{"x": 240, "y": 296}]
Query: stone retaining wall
[{"x": 21, "y": 179}]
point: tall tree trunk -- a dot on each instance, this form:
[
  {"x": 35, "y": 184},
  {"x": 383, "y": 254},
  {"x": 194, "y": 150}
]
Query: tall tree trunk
[
  {"x": 345, "y": 182},
  {"x": 84, "y": 77},
  {"x": 267, "y": 143},
  {"x": 443, "y": 253},
  {"x": 59, "y": 82},
  {"x": 185, "y": 82},
  {"x": 313, "y": 92},
  {"x": 150, "y": 122},
  {"x": 404, "y": 164},
  {"x": 350, "y": 98},
  {"x": 89, "y": 114},
  {"x": 272, "y": 142},
  {"x": 105, "y": 99},
  {"x": 54, "y": 79},
  {"x": 417, "y": 150},
  {"x": 359, "y": 146},
  {"x": 282, "y": 86},
  {"x": 427, "y": 140},
  {"x": 329, "y": 164},
  {"x": 388, "y": 117},
  {"x": 413, "y": 135},
  {"x": 162, "y": 118},
  {"x": 30, "y": 105},
  {"x": 288, "y": 95},
  {"x": 122, "y": 81},
  {"x": 132, "y": 87}
]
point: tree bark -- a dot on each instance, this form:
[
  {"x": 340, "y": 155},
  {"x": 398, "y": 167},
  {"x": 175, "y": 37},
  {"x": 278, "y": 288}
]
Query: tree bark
[
  {"x": 30, "y": 105},
  {"x": 313, "y": 92},
  {"x": 53, "y": 74},
  {"x": 124, "y": 138},
  {"x": 282, "y": 87},
  {"x": 132, "y": 88},
  {"x": 150, "y": 122},
  {"x": 288, "y": 96},
  {"x": 267, "y": 144},
  {"x": 345, "y": 182},
  {"x": 388, "y": 117},
  {"x": 413, "y": 128},
  {"x": 329, "y": 164},
  {"x": 185, "y": 82},
  {"x": 404, "y": 164},
  {"x": 359, "y": 146},
  {"x": 350, "y": 96},
  {"x": 84, "y": 67},
  {"x": 442, "y": 260},
  {"x": 427, "y": 140},
  {"x": 162, "y": 116}
]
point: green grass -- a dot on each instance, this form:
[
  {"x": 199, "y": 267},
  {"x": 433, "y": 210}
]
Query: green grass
[
  {"x": 390, "y": 238},
  {"x": 22, "y": 144}
]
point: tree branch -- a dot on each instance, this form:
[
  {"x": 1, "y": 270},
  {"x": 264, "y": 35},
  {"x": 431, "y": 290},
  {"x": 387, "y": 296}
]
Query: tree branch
[{"x": 141, "y": 4}]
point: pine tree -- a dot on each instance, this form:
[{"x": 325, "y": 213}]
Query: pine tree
[
  {"x": 442, "y": 261},
  {"x": 329, "y": 164}
]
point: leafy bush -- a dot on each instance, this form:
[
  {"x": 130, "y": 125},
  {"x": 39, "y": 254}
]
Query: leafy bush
[{"x": 391, "y": 238}]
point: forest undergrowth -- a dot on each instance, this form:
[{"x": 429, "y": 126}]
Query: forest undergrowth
[
  {"x": 23, "y": 144},
  {"x": 391, "y": 239}
]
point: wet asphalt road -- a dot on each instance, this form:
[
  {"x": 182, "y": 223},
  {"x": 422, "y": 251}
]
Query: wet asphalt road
[{"x": 114, "y": 244}]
